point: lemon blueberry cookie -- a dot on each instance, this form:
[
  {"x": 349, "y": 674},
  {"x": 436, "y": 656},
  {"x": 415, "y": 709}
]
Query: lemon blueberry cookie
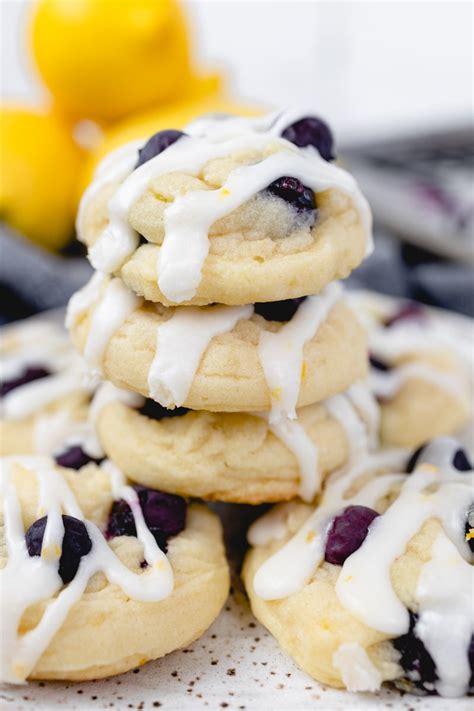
[
  {"x": 231, "y": 211},
  {"x": 237, "y": 457},
  {"x": 98, "y": 576},
  {"x": 375, "y": 583},
  {"x": 220, "y": 358},
  {"x": 419, "y": 372},
  {"x": 43, "y": 388}
]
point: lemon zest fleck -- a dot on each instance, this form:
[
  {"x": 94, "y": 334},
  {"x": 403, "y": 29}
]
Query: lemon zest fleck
[
  {"x": 52, "y": 552},
  {"x": 303, "y": 371},
  {"x": 430, "y": 468}
]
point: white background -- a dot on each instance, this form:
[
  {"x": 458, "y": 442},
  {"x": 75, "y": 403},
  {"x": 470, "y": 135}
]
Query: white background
[{"x": 368, "y": 67}]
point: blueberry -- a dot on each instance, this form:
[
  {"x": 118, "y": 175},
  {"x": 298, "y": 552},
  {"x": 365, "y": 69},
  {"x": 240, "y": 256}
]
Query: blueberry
[
  {"x": 442, "y": 451},
  {"x": 156, "y": 411},
  {"x": 311, "y": 131},
  {"x": 347, "y": 533},
  {"x": 28, "y": 375},
  {"x": 74, "y": 458},
  {"x": 461, "y": 462},
  {"x": 294, "y": 192},
  {"x": 378, "y": 364},
  {"x": 470, "y": 656},
  {"x": 413, "y": 461},
  {"x": 157, "y": 144},
  {"x": 415, "y": 660},
  {"x": 407, "y": 312},
  {"x": 469, "y": 528},
  {"x": 164, "y": 514},
  {"x": 76, "y": 543},
  {"x": 279, "y": 310}
]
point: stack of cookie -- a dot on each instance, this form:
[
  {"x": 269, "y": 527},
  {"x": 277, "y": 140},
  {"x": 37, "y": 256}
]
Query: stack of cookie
[
  {"x": 225, "y": 363},
  {"x": 218, "y": 251},
  {"x": 219, "y": 344}
]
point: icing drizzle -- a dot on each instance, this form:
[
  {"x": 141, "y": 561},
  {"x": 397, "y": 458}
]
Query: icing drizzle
[
  {"x": 20, "y": 653},
  {"x": 113, "y": 309},
  {"x": 180, "y": 344},
  {"x": 281, "y": 353}
]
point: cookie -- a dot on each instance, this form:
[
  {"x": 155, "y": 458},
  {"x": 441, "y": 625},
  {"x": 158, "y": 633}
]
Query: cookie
[
  {"x": 43, "y": 387},
  {"x": 419, "y": 371},
  {"x": 220, "y": 358},
  {"x": 236, "y": 457},
  {"x": 232, "y": 211},
  {"x": 375, "y": 583},
  {"x": 127, "y": 575}
]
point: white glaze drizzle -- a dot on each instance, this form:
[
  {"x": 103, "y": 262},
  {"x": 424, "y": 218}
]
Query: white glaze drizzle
[
  {"x": 281, "y": 353},
  {"x": 116, "y": 305},
  {"x": 364, "y": 586},
  {"x": 57, "y": 432},
  {"x": 43, "y": 343},
  {"x": 31, "y": 397},
  {"x": 112, "y": 169},
  {"x": 53, "y": 432},
  {"x": 83, "y": 299},
  {"x": 20, "y": 653},
  {"x": 105, "y": 394},
  {"x": 40, "y": 344},
  {"x": 366, "y": 404},
  {"x": 272, "y": 526},
  {"x": 180, "y": 344},
  {"x": 189, "y": 217},
  {"x": 357, "y": 670},
  {"x": 386, "y": 384},
  {"x": 294, "y": 436},
  {"x": 341, "y": 408},
  {"x": 444, "y": 591},
  {"x": 446, "y": 615},
  {"x": 412, "y": 337},
  {"x": 288, "y": 570}
]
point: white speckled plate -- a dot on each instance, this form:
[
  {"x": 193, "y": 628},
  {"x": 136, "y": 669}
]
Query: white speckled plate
[{"x": 236, "y": 665}]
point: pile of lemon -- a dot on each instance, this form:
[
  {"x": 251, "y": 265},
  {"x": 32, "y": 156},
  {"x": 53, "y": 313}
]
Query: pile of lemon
[{"x": 114, "y": 72}]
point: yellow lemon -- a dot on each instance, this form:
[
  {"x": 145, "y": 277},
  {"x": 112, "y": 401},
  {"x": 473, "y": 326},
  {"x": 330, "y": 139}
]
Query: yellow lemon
[
  {"x": 39, "y": 168},
  {"x": 103, "y": 59},
  {"x": 175, "y": 115}
]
